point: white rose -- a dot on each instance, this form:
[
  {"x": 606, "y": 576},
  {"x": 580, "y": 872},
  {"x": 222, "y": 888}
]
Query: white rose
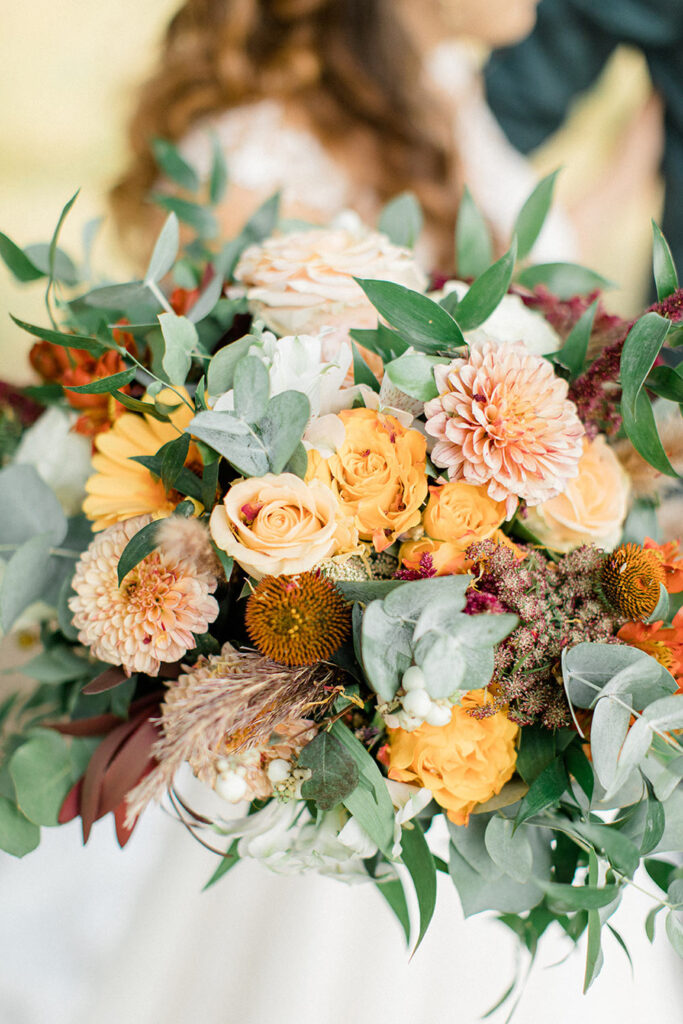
[{"x": 511, "y": 320}]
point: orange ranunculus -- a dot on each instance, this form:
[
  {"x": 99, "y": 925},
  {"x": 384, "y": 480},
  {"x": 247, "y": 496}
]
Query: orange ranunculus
[
  {"x": 378, "y": 475},
  {"x": 463, "y": 763},
  {"x": 672, "y": 560},
  {"x": 74, "y": 367},
  {"x": 665, "y": 645},
  {"x": 461, "y": 514}
]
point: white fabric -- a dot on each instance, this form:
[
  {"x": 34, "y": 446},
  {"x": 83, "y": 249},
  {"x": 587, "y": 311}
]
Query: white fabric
[{"x": 127, "y": 937}]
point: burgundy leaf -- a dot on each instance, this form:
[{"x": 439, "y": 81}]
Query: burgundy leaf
[
  {"x": 127, "y": 766},
  {"x": 99, "y": 725},
  {"x": 123, "y": 833},
  {"x": 71, "y": 806},
  {"x": 94, "y": 774},
  {"x": 106, "y": 680}
]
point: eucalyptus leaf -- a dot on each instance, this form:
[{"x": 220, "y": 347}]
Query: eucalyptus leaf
[
  {"x": 18, "y": 835},
  {"x": 221, "y": 372},
  {"x": 417, "y": 857},
  {"x": 233, "y": 438},
  {"x": 218, "y": 179},
  {"x": 64, "y": 269},
  {"x": 42, "y": 775},
  {"x": 174, "y": 166},
  {"x": 165, "y": 250},
  {"x": 444, "y": 663},
  {"x": 251, "y": 389},
  {"x": 510, "y": 850},
  {"x": 28, "y": 506},
  {"x": 385, "y": 649},
  {"x": 206, "y": 302},
  {"x": 23, "y": 580},
  {"x": 370, "y": 802},
  {"x": 283, "y": 426},
  {"x": 180, "y": 339},
  {"x": 200, "y": 218}
]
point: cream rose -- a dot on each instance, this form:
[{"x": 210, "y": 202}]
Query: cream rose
[
  {"x": 279, "y": 525},
  {"x": 300, "y": 282},
  {"x": 592, "y": 508}
]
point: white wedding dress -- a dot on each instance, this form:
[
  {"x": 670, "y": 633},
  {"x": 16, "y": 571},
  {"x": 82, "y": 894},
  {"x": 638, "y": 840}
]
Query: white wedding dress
[{"x": 101, "y": 935}]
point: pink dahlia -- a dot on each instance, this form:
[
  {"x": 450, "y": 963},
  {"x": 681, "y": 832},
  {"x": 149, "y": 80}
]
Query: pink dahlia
[
  {"x": 152, "y": 616},
  {"x": 502, "y": 419}
]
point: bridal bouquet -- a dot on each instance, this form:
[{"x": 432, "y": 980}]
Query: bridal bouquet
[{"x": 358, "y": 577}]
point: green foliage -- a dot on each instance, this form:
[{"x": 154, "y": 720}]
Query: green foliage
[
  {"x": 663, "y": 266},
  {"x": 362, "y": 374},
  {"x": 572, "y": 355},
  {"x": 255, "y": 446},
  {"x": 227, "y": 863},
  {"x": 165, "y": 251},
  {"x": 17, "y": 262},
  {"x": 641, "y": 347},
  {"x": 197, "y": 217},
  {"x": 137, "y": 548},
  {"x": 386, "y": 342},
  {"x": 334, "y": 771},
  {"x": 393, "y": 892},
  {"x": 420, "y": 321},
  {"x": 473, "y": 246},
  {"x": 18, "y": 835},
  {"x": 369, "y": 802},
  {"x": 218, "y": 179},
  {"x": 531, "y": 217},
  {"x": 563, "y": 279},
  {"x": 485, "y": 294},
  {"x": 413, "y": 374},
  {"x": 42, "y": 773},
  {"x": 174, "y": 166},
  {"x": 401, "y": 219},
  {"x": 667, "y": 382},
  {"x": 104, "y": 385},
  {"x": 417, "y": 857},
  {"x": 180, "y": 341}
]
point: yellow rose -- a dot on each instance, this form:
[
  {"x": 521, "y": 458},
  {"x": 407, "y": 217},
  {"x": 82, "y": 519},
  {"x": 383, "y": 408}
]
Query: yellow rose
[
  {"x": 279, "y": 525},
  {"x": 463, "y": 763},
  {"x": 461, "y": 514},
  {"x": 591, "y": 509},
  {"x": 378, "y": 474}
]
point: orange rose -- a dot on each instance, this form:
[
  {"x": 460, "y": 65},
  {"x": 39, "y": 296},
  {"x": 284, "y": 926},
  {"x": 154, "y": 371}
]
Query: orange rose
[
  {"x": 461, "y": 514},
  {"x": 463, "y": 763},
  {"x": 279, "y": 525},
  {"x": 378, "y": 475},
  {"x": 447, "y": 559}
]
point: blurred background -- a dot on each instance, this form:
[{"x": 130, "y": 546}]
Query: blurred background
[
  {"x": 127, "y": 937},
  {"x": 70, "y": 75}
]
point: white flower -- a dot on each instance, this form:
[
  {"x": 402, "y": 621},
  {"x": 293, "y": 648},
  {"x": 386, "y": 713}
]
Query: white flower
[
  {"x": 60, "y": 457},
  {"x": 511, "y": 320},
  {"x": 295, "y": 363}
]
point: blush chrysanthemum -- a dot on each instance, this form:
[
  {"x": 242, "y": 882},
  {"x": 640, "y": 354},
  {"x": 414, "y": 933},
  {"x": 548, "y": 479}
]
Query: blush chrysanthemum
[
  {"x": 502, "y": 420},
  {"x": 152, "y": 616}
]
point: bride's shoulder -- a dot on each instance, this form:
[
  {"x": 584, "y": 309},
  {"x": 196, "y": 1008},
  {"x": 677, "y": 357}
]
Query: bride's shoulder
[{"x": 268, "y": 147}]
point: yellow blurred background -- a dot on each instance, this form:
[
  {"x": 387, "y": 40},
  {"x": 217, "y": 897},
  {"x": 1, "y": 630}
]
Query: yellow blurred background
[{"x": 70, "y": 70}]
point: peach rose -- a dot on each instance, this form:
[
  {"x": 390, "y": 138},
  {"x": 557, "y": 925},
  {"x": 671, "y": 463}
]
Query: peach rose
[
  {"x": 279, "y": 525},
  {"x": 463, "y": 763},
  {"x": 378, "y": 475},
  {"x": 591, "y": 509},
  {"x": 301, "y": 282}
]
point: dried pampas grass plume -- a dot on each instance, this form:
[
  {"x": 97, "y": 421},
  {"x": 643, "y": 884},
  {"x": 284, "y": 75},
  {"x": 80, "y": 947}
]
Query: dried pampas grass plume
[
  {"x": 188, "y": 540},
  {"x": 225, "y": 704}
]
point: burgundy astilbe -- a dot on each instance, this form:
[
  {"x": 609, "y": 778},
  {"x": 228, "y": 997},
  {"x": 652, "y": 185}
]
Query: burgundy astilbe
[
  {"x": 558, "y": 606},
  {"x": 564, "y": 314},
  {"x": 596, "y": 392},
  {"x": 424, "y": 571}
]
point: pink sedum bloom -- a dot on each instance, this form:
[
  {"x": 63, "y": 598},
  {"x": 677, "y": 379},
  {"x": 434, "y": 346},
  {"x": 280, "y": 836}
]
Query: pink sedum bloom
[
  {"x": 502, "y": 419},
  {"x": 152, "y": 616}
]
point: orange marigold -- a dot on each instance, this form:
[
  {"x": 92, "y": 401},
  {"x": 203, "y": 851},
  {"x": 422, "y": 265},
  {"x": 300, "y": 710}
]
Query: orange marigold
[
  {"x": 631, "y": 577},
  {"x": 663, "y": 644},
  {"x": 297, "y": 620},
  {"x": 672, "y": 561}
]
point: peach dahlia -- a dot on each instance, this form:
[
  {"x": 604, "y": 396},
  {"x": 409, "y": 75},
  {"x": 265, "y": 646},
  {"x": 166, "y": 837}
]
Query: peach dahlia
[{"x": 502, "y": 420}]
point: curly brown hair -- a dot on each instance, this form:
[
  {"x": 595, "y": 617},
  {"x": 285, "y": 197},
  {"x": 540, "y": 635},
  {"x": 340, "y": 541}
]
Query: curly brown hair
[{"x": 347, "y": 64}]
